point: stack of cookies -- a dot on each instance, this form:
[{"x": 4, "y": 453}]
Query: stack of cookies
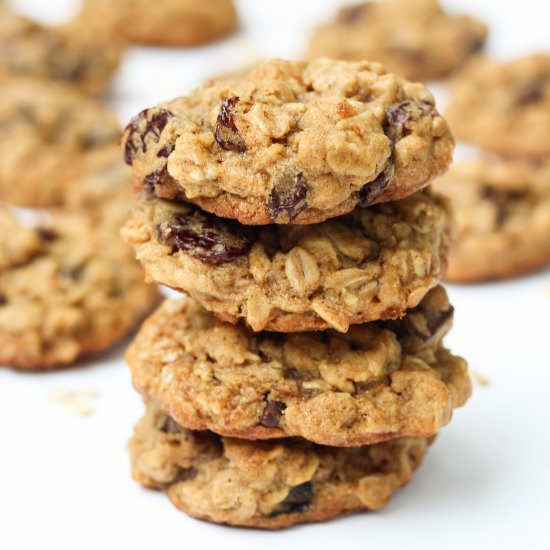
[
  {"x": 502, "y": 195},
  {"x": 304, "y": 375}
]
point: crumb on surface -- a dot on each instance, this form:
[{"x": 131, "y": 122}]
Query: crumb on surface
[
  {"x": 75, "y": 401},
  {"x": 479, "y": 379}
]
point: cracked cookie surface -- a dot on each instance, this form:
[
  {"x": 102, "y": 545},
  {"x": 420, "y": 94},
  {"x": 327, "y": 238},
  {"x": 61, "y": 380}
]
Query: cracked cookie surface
[
  {"x": 291, "y": 142},
  {"x": 267, "y": 484},
  {"x": 70, "y": 54},
  {"x": 416, "y": 39},
  {"x": 163, "y": 22},
  {"x": 502, "y": 209},
  {"x": 378, "y": 381},
  {"x": 504, "y": 107},
  {"x": 49, "y": 133},
  {"x": 68, "y": 288},
  {"x": 371, "y": 264}
]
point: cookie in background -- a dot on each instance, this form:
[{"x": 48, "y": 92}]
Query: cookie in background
[
  {"x": 413, "y": 38},
  {"x": 161, "y": 22},
  {"x": 72, "y": 54},
  {"x": 503, "y": 107},
  {"x": 502, "y": 209},
  {"x": 68, "y": 289},
  {"x": 49, "y": 133}
]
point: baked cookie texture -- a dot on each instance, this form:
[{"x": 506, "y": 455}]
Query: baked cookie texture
[
  {"x": 371, "y": 264},
  {"x": 291, "y": 142},
  {"x": 49, "y": 134},
  {"x": 163, "y": 22},
  {"x": 416, "y": 39},
  {"x": 71, "y": 54},
  {"x": 502, "y": 210},
  {"x": 68, "y": 288},
  {"x": 504, "y": 107},
  {"x": 378, "y": 381},
  {"x": 266, "y": 484}
]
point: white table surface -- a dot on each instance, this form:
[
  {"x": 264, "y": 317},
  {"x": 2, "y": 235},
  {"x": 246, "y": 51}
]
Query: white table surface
[{"x": 64, "y": 479}]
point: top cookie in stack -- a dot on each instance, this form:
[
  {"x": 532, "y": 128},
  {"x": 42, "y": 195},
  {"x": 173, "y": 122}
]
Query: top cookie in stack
[
  {"x": 287, "y": 145},
  {"x": 292, "y": 142}
]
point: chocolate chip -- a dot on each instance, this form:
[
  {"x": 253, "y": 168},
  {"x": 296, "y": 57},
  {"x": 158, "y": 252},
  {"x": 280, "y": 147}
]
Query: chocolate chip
[
  {"x": 227, "y": 134},
  {"x": 148, "y": 124},
  {"x": 372, "y": 190},
  {"x": 165, "y": 151},
  {"x": 3, "y": 300},
  {"x": 402, "y": 114},
  {"x": 272, "y": 414},
  {"x": 170, "y": 426},
  {"x": 298, "y": 375},
  {"x": 205, "y": 237},
  {"x": 297, "y": 500},
  {"x": 288, "y": 196}
]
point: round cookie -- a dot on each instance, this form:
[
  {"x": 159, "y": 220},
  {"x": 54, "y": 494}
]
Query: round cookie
[
  {"x": 267, "y": 484},
  {"x": 48, "y": 134},
  {"x": 503, "y": 218},
  {"x": 291, "y": 142},
  {"x": 373, "y": 263},
  {"x": 71, "y": 54},
  {"x": 68, "y": 288},
  {"x": 163, "y": 22},
  {"x": 103, "y": 191},
  {"x": 378, "y": 381},
  {"x": 415, "y": 39},
  {"x": 504, "y": 107}
]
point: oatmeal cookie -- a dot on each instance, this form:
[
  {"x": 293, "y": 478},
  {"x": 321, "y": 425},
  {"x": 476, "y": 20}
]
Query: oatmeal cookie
[
  {"x": 70, "y": 54},
  {"x": 291, "y": 142},
  {"x": 48, "y": 134},
  {"x": 103, "y": 191},
  {"x": 379, "y": 381},
  {"x": 504, "y": 107},
  {"x": 373, "y": 263},
  {"x": 503, "y": 217},
  {"x": 67, "y": 289},
  {"x": 414, "y": 38},
  {"x": 163, "y": 22},
  {"x": 267, "y": 484}
]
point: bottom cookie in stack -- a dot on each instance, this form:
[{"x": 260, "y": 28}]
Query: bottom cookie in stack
[
  {"x": 274, "y": 402},
  {"x": 268, "y": 484}
]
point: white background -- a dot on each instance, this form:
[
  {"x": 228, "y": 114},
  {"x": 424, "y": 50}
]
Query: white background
[{"x": 64, "y": 479}]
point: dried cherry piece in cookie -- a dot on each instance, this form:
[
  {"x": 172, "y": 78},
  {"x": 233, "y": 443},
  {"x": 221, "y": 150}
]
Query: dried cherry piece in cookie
[
  {"x": 145, "y": 127},
  {"x": 272, "y": 414},
  {"x": 207, "y": 238},
  {"x": 297, "y": 500},
  {"x": 372, "y": 190},
  {"x": 402, "y": 114},
  {"x": 227, "y": 134},
  {"x": 288, "y": 196}
]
